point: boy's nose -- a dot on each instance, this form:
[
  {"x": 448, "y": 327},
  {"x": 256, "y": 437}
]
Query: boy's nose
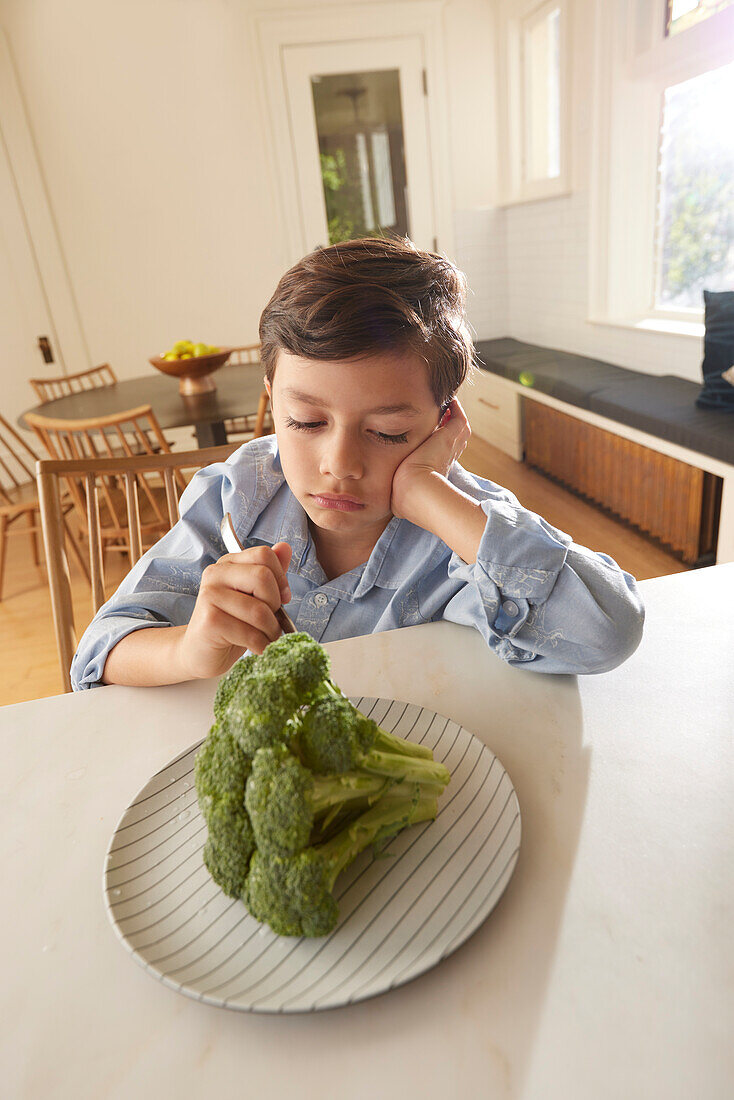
[{"x": 341, "y": 459}]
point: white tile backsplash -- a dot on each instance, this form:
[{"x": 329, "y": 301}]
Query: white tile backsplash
[{"x": 527, "y": 268}]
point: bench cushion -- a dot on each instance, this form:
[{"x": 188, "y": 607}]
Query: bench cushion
[
  {"x": 662, "y": 405},
  {"x": 665, "y": 406}
]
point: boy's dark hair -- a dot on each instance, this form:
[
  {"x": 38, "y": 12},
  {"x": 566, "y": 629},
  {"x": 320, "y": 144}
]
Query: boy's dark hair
[{"x": 372, "y": 295}]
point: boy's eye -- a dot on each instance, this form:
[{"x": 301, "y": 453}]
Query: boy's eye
[
  {"x": 311, "y": 426},
  {"x": 383, "y": 438},
  {"x": 301, "y": 425}
]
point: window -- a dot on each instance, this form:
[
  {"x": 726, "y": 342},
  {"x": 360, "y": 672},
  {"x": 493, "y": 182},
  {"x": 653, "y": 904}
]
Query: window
[
  {"x": 541, "y": 105},
  {"x": 533, "y": 81},
  {"x": 695, "y": 244},
  {"x": 683, "y": 14},
  {"x": 663, "y": 196}
]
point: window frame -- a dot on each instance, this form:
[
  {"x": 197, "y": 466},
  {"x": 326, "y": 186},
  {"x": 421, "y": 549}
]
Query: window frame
[
  {"x": 514, "y": 123},
  {"x": 635, "y": 62}
]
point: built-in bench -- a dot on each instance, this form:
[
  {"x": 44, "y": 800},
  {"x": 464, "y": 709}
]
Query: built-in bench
[{"x": 655, "y": 412}]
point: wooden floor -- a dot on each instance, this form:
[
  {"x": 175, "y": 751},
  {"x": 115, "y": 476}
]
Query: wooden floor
[{"x": 27, "y": 646}]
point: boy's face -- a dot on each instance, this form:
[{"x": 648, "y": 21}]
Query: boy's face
[{"x": 343, "y": 429}]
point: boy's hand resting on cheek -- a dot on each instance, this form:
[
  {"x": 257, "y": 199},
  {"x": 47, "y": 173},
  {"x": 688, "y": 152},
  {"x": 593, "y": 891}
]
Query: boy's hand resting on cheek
[
  {"x": 435, "y": 455},
  {"x": 235, "y": 609}
]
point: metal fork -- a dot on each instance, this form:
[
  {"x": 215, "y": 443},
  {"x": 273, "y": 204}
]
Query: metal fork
[{"x": 233, "y": 545}]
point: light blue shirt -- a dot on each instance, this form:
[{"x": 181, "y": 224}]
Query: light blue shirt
[{"x": 539, "y": 600}]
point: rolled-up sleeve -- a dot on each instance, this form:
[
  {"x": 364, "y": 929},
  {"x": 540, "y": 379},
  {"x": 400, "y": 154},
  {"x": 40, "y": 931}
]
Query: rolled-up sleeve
[
  {"x": 162, "y": 587},
  {"x": 542, "y": 601}
]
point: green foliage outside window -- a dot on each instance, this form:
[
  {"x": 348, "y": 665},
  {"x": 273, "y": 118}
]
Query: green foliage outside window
[
  {"x": 343, "y": 194},
  {"x": 697, "y": 190}
]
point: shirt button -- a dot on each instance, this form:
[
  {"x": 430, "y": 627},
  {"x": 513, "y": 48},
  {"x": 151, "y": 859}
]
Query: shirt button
[
  {"x": 320, "y": 599},
  {"x": 510, "y": 607}
]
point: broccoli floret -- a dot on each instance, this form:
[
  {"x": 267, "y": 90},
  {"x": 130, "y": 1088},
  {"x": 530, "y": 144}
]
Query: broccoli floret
[
  {"x": 334, "y": 738},
  {"x": 259, "y": 711},
  {"x": 230, "y": 844},
  {"x": 220, "y": 775},
  {"x": 284, "y": 799},
  {"x": 300, "y": 660},
  {"x": 221, "y": 767},
  {"x": 294, "y": 894},
  {"x": 230, "y": 682}
]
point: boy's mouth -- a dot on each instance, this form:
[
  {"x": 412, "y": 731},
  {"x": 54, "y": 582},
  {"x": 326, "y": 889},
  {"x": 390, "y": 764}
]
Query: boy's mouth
[{"x": 339, "y": 502}]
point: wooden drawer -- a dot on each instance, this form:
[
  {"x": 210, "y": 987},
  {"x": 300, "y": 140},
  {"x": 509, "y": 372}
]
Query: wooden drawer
[{"x": 494, "y": 411}]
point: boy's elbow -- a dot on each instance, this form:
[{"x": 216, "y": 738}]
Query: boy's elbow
[{"x": 620, "y": 638}]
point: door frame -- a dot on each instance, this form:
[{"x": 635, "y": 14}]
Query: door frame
[
  {"x": 402, "y": 54},
  {"x": 48, "y": 280},
  {"x": 275, "y": 31}
]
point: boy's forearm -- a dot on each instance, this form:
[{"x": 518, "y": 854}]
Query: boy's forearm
[
  {"x": 148, "y": 657},
  {"x": 456, "y": 518}
]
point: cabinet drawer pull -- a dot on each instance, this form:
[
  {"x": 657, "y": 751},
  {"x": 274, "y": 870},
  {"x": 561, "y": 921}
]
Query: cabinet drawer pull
[{"x": 484, "y": 401}]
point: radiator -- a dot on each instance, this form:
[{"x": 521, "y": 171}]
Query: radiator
[{"x": 674, "y": 503}]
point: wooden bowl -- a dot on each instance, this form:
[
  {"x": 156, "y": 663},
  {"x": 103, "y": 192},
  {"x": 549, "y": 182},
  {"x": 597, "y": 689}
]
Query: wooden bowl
[{"x": 194, "y": 375}]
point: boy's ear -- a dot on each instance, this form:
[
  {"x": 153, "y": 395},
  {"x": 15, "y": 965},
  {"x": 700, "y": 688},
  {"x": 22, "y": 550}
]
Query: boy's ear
[{"x": 266, "y": 384}]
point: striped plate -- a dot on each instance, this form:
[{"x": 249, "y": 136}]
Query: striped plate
[{"x": 399, "y": 915}]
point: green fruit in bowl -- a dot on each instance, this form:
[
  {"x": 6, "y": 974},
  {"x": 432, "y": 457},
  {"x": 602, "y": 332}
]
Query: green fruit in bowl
[{"x": 185, "y": 349}]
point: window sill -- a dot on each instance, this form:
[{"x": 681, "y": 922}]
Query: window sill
[{"x": 657, "y": 326}]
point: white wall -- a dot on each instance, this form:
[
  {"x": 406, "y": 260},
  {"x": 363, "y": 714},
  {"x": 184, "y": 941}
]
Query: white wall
[
  {"x": 150, "y": 127},
  {"x": 151, "y": 133}
]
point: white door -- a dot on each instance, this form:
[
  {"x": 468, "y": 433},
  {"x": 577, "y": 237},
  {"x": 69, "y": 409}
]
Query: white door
[
  {"x": 24, "y": 314},
  {"x": 36, "y": 298},
  {"x": 359, "y": 132}
]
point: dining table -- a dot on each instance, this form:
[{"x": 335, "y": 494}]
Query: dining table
[
  {"x": 604, "y": 971},
  {"x": 238, "y": 389}
]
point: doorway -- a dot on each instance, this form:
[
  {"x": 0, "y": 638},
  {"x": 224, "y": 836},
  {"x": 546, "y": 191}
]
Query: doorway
[{"x": 359, "y": 134}]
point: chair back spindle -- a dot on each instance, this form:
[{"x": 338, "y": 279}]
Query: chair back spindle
[
  {"x": 125, "y": 435},
  {"x": 93, "y": 473},
  {"x": 17, "y": 460},
  {"x": 50, "y": 389},
  {"x": 253, "y": 425}
]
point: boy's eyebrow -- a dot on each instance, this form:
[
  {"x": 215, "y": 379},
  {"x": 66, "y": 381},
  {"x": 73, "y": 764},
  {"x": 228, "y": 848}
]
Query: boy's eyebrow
[{"x": 299, "y": 395}]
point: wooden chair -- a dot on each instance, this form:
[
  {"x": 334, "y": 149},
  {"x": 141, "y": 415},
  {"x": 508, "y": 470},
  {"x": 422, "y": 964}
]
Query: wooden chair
[
  {"x": 254, "y": 424},
  {"x": 49, "y": 389},
  {"x": 19, "y": 497},
  {"x": 119, "y": 435},
  {"x": 94, "y": 473}
]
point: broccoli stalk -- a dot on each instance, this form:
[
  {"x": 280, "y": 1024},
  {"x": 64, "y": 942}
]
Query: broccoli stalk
[
  {"x": 293, "y": 894},
  {"x": 284, "y": 800},
  {"x": 333, "y": 737}
]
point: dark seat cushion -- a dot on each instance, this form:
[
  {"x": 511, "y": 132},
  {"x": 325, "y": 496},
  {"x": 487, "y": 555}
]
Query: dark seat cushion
[
  {"x": 568, "y": 377},
  {"x": 665, "y": 406},
  {"x": 662, "y": 405}
]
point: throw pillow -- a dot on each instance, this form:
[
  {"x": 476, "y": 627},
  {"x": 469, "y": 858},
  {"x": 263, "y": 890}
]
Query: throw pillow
[{"x": 718, "y": 352}]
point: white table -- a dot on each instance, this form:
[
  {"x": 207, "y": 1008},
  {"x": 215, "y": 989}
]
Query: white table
[{"x": 604, "y": 972}]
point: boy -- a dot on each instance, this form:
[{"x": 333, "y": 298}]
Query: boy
[{"x": 356, "y": 513}]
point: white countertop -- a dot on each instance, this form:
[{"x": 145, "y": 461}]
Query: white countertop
[{"x": 606, "y": 970}]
